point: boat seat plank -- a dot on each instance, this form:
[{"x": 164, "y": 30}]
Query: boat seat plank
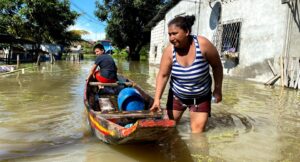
[
  {"x": 111, "y": 84},
  {"x": 130, "y": 114}
]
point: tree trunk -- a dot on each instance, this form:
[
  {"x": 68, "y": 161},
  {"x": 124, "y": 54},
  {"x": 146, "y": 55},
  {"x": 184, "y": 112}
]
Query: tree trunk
[
  {"x": 134, "y": 56},
  {"x": 135, "y": 53},
  {"x": 9, "y": 53},
  {"x": 38, "y": 55}
]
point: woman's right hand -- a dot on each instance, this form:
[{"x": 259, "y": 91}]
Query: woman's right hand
[{"x": 155, "y": 106}]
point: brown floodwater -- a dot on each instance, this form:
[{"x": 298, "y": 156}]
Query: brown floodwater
[{"x": 42, "y": 118}]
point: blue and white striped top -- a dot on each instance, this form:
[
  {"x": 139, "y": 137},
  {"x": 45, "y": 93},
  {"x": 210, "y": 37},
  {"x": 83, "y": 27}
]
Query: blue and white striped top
[{"x": 191, "y": 81}]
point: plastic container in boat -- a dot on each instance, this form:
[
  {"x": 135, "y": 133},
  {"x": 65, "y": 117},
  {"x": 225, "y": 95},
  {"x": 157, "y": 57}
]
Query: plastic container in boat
[{"x": 129, "y": 99}]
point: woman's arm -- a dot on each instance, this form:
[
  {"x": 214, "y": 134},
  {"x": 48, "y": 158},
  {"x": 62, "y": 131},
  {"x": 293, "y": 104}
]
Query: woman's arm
[
  {"x": 162, "y": 77},
  {"x": 212, "y": 56}
]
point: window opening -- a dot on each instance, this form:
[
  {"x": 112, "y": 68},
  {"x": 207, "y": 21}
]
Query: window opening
[
  {"x": 231, "y": 37},
  {"x": 155, "y": 51}
]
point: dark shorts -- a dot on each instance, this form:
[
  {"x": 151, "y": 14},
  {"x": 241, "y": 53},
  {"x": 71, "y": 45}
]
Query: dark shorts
[{"x": 202, "y": 104}]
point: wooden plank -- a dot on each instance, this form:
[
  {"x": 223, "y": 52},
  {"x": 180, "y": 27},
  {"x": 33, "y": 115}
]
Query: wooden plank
[
  {"x": 281, "y": 70},
  {"x": 299, "y": 83},
  {"x": 111, "y": 84},
  {"x": 269, "y": 81},
  {"x": 273, "y": 80},
  {"x": 38, "y": 62},
  {"x": 297, "y": 73},
  {"x": 18, "y": 61},
  {"x": 285, "y": 71},
  {"x": 292, "y": 71},
  {"x": 10, "y": 72},
  {"x": 272, "y": 68},
  {"x": 130, "y": 114}
]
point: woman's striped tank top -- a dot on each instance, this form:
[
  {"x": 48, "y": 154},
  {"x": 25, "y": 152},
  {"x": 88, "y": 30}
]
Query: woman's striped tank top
[{"x": 191, "y": 81}]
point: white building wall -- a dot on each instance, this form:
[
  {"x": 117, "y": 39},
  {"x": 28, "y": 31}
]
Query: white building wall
[
  {"x": 156, "y": 43},
  {"x": 262, "y": 35},
  {"x": 159, "y": 34},
  {"x": 293, "y": 47},
  {"x": 184, "y": 8},
  {"x": 263, "y": 27}
]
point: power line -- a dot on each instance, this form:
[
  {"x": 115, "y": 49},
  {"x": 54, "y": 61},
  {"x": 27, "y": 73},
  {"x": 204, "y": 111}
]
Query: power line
[
  {"x": 193, "y": 1},
  {"x": 92, "y": 19},
  {"x": 88, "y": 16}
]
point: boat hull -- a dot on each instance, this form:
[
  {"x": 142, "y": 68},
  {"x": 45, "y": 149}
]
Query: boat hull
[{"x": 121, "y": 127}]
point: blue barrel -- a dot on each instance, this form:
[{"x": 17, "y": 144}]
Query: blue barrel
[{"x": 129, "y": 99}]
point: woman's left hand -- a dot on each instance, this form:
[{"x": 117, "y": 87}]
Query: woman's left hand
[{"x": 218, "y": 96}]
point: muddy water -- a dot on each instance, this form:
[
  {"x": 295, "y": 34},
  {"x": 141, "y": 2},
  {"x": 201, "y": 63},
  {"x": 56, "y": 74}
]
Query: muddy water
[{"x": 42, "y": 119}]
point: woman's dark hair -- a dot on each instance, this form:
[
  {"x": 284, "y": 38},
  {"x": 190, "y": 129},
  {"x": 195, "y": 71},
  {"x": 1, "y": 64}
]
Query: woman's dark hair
[
  {"x": 183, "y": 22},
  {"x": 98, "y": 45}
]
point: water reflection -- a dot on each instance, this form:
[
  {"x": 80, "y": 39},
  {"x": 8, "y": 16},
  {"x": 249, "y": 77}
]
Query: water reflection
[
  {"x": 42, "y": 119},
  {"x": 38, "y": 109},
  {"x": 171, "y": 149}
]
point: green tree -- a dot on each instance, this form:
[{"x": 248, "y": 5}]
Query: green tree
[
  {"x": 126, "y": 20},
  {"x": 37, "y": 20},
  {"x": 48, "y": 20},
  {"x": 75, "y": 36},
  {"x": 10, "y": 20}
]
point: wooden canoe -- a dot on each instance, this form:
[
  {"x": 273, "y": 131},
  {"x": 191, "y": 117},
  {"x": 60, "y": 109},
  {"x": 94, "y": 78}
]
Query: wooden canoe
[{"x": 119, "y": 127}]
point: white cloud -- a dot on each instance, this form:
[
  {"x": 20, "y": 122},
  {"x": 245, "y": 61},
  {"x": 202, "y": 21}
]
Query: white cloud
[
  {"x": 76, "y": 27},
  {"x": 94, "y": 36}
]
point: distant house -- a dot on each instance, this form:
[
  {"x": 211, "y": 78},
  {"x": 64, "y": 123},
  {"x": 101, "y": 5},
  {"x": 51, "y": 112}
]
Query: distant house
[
  {"x": 107, "y": 46},
  {"x": 246, "y": 33},
  {"x": 75, "y": 49},
  {"x": 55, "y": 49},
  {"x": 45, "y": 49},
  {"x": 11, "y": 48}
]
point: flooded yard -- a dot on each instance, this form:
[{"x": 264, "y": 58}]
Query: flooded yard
[{"x": 42, "y": 118}]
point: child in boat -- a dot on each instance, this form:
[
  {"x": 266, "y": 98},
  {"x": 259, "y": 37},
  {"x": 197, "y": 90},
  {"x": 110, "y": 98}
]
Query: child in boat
[{"x": 108, "y": 68}]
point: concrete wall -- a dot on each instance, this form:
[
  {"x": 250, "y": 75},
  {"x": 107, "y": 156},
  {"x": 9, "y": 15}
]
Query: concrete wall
[
  {"x": 293, "y": 47},
  {"x": 184, "y": 8},
  {"x": 157, "y": 42},
  {"x": 159, "y": 34},
  {"x": 262, "y": 34}
]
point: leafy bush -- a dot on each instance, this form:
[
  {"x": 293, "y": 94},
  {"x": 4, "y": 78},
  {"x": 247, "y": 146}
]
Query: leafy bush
[
  {"x": 117, "y": 53},
  {"x": 144, "y": 52}
]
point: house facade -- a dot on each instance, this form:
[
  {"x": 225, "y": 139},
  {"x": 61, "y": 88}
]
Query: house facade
[{"x": 247, "y": 33}]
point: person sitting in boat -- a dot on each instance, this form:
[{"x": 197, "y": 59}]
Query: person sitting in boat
[{"x": 107, "y": 65}]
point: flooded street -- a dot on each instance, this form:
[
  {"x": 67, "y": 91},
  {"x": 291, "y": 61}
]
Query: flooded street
[{"x": 42, "y": 118}]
